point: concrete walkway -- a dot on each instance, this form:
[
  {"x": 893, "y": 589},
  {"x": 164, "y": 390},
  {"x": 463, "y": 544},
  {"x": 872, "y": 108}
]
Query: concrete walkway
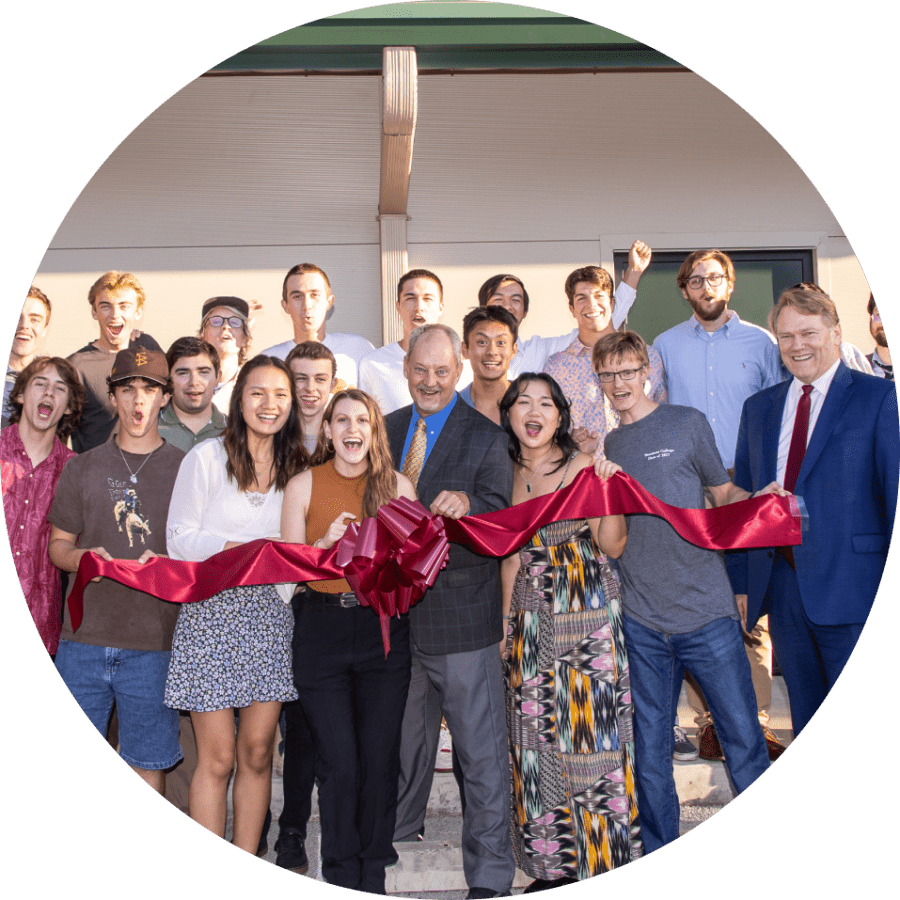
[{"x": 434, "y": 867}]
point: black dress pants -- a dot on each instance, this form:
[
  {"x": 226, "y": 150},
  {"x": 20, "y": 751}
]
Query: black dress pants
[
  {"x": 354, "y": 700},
  {"x": 299, "y": 771}
]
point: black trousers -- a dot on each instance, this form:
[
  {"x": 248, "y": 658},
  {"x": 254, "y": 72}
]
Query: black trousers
[
  {"x": 299, "y": 771},
  {"x": 354, "y": 700}
]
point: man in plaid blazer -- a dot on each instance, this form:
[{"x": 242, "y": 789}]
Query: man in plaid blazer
[{"x": 459, "y": 461}]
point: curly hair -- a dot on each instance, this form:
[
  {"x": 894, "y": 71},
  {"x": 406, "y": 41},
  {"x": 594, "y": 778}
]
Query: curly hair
[{"x": 77, "y": 395}]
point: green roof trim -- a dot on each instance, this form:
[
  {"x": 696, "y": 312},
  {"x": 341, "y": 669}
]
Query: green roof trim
[
  {"x": 382, "y": 32},
  {"x": 441, "y": 9},
  {"x": 458, "y": 36},
  {"x": 317, "y": 59}
]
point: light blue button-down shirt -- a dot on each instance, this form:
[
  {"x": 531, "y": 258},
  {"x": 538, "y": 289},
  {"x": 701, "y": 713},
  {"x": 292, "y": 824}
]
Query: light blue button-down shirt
[{"x": 717, "y": 371}]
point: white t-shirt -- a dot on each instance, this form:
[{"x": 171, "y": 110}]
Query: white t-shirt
[{"x": 348, "y": 350}]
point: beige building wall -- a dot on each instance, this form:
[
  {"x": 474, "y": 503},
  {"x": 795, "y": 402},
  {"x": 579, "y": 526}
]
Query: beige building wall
[
  {"x": 539, "y": 174},
  {"x": 220, "y": 191},
  {"x": 235, "y": 179}
]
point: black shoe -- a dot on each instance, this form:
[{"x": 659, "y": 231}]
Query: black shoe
[
  {"x": 544, "y": 884},
  {"x": 291, "y": 851},
  {"x": 477, "y": 893}
]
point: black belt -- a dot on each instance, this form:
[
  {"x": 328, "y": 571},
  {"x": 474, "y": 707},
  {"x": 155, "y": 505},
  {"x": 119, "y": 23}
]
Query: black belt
[{"x": 346, "y": 600}]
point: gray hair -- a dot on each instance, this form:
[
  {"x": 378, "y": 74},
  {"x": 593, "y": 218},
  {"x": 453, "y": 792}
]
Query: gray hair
[{"x": 452, "y": 336}]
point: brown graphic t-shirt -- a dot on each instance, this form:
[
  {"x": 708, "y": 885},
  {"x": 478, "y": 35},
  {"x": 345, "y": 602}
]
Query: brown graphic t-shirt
[{"x": 97, "y": 499}]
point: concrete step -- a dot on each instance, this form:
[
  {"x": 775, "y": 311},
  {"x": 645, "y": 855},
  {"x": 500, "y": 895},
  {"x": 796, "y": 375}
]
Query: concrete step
[
  {"x": 426, "y": 866},
  {"x": 434, "y": 866}
]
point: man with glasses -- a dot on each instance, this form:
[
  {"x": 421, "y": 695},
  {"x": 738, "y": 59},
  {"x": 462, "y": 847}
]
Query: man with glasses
[
  {"x": 880, "y": 358},
  {"x": 714, "y": 362},
  {"x": 678, "y": 607}
]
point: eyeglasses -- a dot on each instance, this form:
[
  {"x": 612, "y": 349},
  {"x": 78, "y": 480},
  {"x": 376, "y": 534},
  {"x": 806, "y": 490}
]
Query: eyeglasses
[
  {"x": 234, "y": 322},
  {"x": 714, "y": 280},
  {"x": 624, "y": 374}
]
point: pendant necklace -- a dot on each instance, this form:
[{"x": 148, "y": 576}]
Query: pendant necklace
[
  {"x": 534, "y": 471},
  {"x": 134, "y": 475}
]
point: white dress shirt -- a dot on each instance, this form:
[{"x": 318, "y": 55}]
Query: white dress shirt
[{"x": 816, "y": 399}]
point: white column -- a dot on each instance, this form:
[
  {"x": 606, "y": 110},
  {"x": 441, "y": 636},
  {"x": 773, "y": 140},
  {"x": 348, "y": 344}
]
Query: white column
[{"x": 398, "y": 128}]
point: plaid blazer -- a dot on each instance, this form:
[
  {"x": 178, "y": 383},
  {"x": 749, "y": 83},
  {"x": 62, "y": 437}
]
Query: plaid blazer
[{"x": 462, "y": 610}]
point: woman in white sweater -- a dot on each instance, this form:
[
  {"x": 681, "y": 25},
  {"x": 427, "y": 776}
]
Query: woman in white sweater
[{"x": 233, "y": 651}]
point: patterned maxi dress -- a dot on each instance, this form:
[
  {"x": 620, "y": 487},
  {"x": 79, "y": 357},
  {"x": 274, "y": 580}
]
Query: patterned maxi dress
[{"x": 569, "y": 712}]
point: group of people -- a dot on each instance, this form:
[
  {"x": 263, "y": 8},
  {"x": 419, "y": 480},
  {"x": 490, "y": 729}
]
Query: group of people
[{"x": 557, "y": 670}]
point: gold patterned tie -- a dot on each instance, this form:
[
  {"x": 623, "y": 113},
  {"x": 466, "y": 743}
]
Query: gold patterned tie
[{"x": 415, "y": 456}]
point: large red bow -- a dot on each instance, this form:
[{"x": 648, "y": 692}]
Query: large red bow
[{"x": 392, "y": 559}]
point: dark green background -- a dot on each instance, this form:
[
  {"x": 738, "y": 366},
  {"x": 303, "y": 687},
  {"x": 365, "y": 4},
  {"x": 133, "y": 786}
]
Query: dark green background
[{"x": 79, "y": 77}]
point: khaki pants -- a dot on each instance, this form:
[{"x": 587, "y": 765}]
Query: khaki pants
[{"x": 758, "y": 645}]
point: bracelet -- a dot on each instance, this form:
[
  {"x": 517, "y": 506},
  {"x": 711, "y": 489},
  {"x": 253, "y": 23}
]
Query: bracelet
[{"x": 505, "y": 618}]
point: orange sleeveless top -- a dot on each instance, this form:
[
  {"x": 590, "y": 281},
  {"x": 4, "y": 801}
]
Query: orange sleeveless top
[{"x": 331, "y": 495}]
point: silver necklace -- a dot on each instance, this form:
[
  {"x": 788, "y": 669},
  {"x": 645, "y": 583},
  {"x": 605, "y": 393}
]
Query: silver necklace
[
  {"x": 534, "y": 471},
  {"x": 134, "y": 475}
]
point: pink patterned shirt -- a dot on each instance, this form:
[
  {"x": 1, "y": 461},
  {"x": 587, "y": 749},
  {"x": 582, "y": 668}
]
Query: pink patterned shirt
[
  {"x": 27, "y": 495},
  {"x": 573, "y": 372}
]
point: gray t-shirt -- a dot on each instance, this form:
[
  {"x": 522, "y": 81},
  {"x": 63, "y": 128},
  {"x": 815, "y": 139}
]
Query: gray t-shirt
[
  {"x": 96, "y": 499},
  {"x": 669, "y": 584}
]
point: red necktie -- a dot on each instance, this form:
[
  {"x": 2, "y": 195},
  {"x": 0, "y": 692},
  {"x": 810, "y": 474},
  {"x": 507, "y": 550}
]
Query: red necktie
[
  {"x": 798, "y": 440},
  {"x": 795, "y": 456}
]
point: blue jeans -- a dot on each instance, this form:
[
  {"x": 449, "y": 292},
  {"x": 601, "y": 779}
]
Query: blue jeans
[
  {"x": 715, "y": 656},
  {"x": 135, "y": 680}
]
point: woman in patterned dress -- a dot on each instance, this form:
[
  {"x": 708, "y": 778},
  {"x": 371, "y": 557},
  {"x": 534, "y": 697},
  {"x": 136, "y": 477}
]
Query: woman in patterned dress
[
  {"x": 232, "y": 652},
  {"x": 574, "y": 811}
]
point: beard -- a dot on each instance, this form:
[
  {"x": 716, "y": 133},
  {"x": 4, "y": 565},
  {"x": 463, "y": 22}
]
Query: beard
[
  {"x": 880, "y": 337},
  {"x": 710, "y": 311}
]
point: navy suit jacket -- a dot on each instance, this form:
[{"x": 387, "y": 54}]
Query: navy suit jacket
[
  {"x": 849, "y": 484},
  {"x": 462, "y": 610}
]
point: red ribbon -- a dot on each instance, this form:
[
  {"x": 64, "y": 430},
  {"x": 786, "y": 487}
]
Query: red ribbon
[{"x": 392, "y": 559}]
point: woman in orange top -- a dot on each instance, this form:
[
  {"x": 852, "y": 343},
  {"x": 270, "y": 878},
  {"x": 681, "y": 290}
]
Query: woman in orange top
[{"x": 351, "y": 694}]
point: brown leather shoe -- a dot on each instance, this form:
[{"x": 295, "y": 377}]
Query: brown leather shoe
[
  {"x": 773, "y": 745},
  {"x": 710, "y": 748}
]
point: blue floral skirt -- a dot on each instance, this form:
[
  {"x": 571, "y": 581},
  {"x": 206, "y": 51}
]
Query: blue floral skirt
[{"x": 231, "y": 650}]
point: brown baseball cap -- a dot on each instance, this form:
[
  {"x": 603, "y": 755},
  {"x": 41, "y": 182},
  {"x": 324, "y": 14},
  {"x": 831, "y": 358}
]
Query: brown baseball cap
[{"x": 139, "y": 362}]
